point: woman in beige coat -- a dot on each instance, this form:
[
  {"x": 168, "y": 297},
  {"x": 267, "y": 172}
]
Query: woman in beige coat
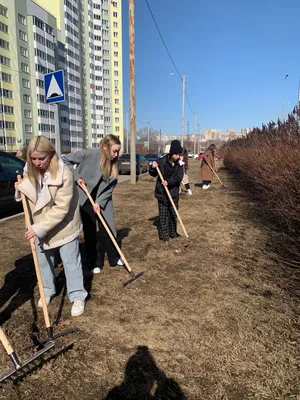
[
  {"x": 53, "y": 201},
  {"x": 207, "y": 161}
]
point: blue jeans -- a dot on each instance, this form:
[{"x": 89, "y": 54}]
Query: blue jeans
[{"x": 71, "y": 258}]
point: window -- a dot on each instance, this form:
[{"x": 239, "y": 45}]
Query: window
[
  {"x": 116, "y": 73},
  {"x": 4, "y": 60},
  {"x": 106, "y": 81},
  {"x": 6, "y": 93},
  {"x": 4, "y": 44},
  {"x": 115, "y": 24},
  {"x": 106, "y": 71},
  {"x": 116, "y": 92},
  {"x": 40, "y": 83},
  {"x": 24, "y": 67},
  {"x": 116, "y": 63},
  {"x": 106, "y": 91},
  {"x": 28, "y": 128},
  {"x": 7, "y": 109},
  {"x": 5, "y": 77},
  {"x": 116, "y": 54},
  {"x": 27, "y": 113},
  {"x": 23, "y": 35},
  {"x": 116, "y": 82},
  {"x": 117, "y": 110},
  {"x": 117, "y": 129},
  {"x": 23, "y": 51},
  {"x": 104, "y": 12},
  {"x": 116, "y": 44},
  {"x": 115, "y": 14},
  {"x": 117, "y": 101},
  {"x": 116, "y": 34},
  {"x": 107, "y": 119},
  {"x": 7, "y": 125},
  {"x": 3, "y": 27},
  {"x": 21, "y": 19},
  {"x": 25, "y": 83},
  {"x": 3, "y": 10},
  {"x": 105, "y": 42},
  {"x": 37, "y": 22},
  {"x": 26, "y": 98},
  {"x": 115, "y": 4},
  {"x": 106, "y": 52}
]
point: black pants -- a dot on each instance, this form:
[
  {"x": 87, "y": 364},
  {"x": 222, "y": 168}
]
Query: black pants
[
  {"x": 96, "y": 243},
  {"x": 167, "y": 221}
]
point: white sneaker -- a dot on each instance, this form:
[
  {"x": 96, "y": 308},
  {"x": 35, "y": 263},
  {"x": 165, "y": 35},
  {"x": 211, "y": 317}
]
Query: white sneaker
[
  {"x": 120, "y": 262},
  {"x": 189, "y": 192},
  {"x": 77, "y": 308},
  {"x": 205, "y": 187},
  {"x": 96, "y": 270},
  {"x": 40, "y": 304}
]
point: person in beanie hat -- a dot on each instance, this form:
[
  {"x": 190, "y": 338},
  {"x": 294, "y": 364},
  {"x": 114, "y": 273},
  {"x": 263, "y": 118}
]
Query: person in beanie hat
[{"x": 171, "y": 168}]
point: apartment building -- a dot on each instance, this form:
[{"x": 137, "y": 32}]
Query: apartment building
[
  {"x": 27, "y": 52},
  {"x": 90, "y": 52}
]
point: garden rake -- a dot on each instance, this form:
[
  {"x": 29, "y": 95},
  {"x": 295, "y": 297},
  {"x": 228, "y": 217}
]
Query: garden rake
[
  {"x": 18, "y": 368},
  {"x": 222, "y": 184},
  {"x": 173, "y": 205},
  {"x": 106, "y": 227},
  {"x": 49, "y": 328}
]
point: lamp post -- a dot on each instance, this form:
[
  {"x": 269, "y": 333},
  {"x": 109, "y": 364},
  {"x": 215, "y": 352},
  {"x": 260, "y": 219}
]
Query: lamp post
[{"x": 182, "y": 107}]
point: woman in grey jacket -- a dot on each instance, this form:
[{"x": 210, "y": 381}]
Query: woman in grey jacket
[{"x": 99, "y": 171}]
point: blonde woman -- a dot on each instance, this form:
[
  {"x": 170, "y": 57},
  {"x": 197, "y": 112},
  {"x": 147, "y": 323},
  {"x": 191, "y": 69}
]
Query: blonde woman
[
  {"x": 98, "y": 169},
  {"x": 53, "y": 202}
]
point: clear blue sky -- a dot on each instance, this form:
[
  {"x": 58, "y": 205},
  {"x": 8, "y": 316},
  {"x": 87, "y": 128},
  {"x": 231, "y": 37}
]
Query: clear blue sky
[{"x": 235, "y": 55}]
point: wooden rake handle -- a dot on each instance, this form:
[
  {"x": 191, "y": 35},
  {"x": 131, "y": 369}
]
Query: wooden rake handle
[
  {"x": 106, "y": 227},
  {"x": 215, "y": 174},
  {"x": 35, "y": 259},
  {"x": 8, "y": 348},
  {"x": 172, "y": 202}
]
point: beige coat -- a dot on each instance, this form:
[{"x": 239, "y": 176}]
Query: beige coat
[
  {"x": 55, "y": 213},
  {"x": 206, "y": 173}
]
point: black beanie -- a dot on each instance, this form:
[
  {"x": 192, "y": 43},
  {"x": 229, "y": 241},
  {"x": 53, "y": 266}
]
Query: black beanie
[{"x": 175, "y": 147}]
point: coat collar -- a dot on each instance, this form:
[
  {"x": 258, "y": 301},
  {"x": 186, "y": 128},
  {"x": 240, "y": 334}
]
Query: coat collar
[{"x": 45, "y": 196}]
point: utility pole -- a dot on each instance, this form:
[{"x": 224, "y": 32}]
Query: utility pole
[
  {"x": 195, "y": 124},
  {"x": 132, "y": 94},
  {"x": 182, "y": 111},
  {"x": 127, "y": 133},
  {"x": 284, "y": 93},
  {"x": 148, "y": 135}
]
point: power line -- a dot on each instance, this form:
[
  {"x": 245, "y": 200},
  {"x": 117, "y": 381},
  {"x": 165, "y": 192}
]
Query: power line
[{"x": 169, "y": 54}]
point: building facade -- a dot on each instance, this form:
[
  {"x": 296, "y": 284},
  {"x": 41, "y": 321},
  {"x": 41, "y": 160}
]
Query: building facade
[{"x": 81, "y": 37}]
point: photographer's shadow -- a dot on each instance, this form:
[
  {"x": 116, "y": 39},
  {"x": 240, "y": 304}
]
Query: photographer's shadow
[
  {"x": 143, "y": 380},
  {"x": 18, "y": 287}
]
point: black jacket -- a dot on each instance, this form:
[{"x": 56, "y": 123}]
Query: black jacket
[{"x": 173, "y": 175}]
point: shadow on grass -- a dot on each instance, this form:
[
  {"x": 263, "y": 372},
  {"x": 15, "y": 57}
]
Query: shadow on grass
[{"x": 144, "y": 380}]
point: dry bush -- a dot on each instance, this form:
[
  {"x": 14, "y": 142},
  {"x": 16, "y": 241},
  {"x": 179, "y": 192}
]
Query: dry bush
[{"x": 268, "y": 160}]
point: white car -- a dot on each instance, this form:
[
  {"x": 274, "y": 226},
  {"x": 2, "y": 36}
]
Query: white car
[{"x": 190, "y": 155}]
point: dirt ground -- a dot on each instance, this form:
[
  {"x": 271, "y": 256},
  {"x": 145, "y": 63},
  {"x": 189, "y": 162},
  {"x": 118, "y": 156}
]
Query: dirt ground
[{"x": 216, "y": 320}]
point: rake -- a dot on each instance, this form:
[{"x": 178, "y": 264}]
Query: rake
[
  {"x": 19, "y": 366},
  {"x": 172, "y": 202},
  {"x": 222, "y": 184},
  {"x": 106, "y": 227},
  {"x": 49, "y": 329}
]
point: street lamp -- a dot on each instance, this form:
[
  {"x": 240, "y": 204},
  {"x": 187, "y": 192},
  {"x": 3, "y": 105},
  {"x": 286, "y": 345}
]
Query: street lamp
[
  {"x": 284, "y": 93},
  {"x": 182, "y": 110}
]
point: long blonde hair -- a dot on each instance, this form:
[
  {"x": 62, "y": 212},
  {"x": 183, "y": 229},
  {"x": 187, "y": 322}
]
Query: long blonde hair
[
  {"x": 41, "y": 143},
  {"x": 110, "y": 168}
]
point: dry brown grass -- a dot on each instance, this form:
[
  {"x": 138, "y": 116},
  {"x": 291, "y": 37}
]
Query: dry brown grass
[{"x": 220, "y": 317}]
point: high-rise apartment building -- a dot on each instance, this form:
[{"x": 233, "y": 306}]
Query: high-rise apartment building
[
  {"x": 27, "y": 52},
  {"x": 82, "y": 37}
]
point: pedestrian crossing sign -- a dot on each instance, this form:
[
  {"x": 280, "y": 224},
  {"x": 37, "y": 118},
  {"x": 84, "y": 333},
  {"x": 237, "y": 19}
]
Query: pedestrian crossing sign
[{"x": 54, "y": 87}]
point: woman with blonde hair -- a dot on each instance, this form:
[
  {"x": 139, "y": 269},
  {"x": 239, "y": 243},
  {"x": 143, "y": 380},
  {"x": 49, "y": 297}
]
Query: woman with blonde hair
[
  {"x": 98, "y": 169},
  {"x": 53, "y": 203}
]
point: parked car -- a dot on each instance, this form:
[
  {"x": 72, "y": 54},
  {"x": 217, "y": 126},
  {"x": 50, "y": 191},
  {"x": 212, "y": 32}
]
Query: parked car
[
  {"x": 141, "y": 163},
  {"x": 150, "y": 157},
  {"x": 190, "y": 155},
  {"x": 10, "y": 167}
]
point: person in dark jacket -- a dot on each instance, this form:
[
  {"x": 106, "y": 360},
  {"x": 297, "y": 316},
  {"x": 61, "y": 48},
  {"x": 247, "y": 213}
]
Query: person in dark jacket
[{"x": 171, "y": 168}]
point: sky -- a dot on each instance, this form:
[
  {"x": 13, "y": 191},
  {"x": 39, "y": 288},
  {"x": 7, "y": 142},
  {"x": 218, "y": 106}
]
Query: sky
[{"x": 235, "y": 56}]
